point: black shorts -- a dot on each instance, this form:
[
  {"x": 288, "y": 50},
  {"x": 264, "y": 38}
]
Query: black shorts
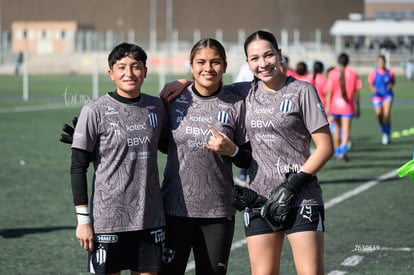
[
  {"x": 139, "y": 251},
  {"x": 209, "y": 238},
  {"x": 304, "y": 218}
]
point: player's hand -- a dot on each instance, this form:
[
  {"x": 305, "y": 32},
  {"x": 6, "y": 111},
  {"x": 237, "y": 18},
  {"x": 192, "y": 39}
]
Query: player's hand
[
  {"x": 173, "y": 89},
  {"x": 220, "y": 143},
  {"x": 69, "y": 130},
  {"x": 246, "y": 197},
  {"x": 84, "y": 233},
  {"x": 277, "y": 207}
]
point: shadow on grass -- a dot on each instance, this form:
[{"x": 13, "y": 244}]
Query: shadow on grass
[{"x": 21, "y": 232}]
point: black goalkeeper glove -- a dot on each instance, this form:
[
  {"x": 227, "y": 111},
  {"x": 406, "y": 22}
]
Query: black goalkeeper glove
[
  {"x": 69, "y": 130},
  {"x": 277, "y": 207},
  {"x": 246, "y": 197}
]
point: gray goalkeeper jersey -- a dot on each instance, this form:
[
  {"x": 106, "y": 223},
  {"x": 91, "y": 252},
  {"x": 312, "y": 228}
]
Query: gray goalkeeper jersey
[
  {"x": 197, "y": 182},
  {"x": 279, "y": 125},
  {"x": 126, "y": 192}
]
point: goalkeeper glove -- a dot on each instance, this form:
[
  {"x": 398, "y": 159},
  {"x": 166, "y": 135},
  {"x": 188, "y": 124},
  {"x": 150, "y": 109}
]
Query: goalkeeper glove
[
  {"x": 69, "y": 130},
  {"x": 277, "y": 207},
  {"x": 246, "y": 197}
]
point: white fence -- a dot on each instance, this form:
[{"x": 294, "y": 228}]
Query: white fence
[{"x": 92, "y": 48}]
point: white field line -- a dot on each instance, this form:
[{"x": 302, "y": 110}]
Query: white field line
[
  {"x": 31, "y": 108},
  {"x": 337, "y": 272},
  {"x": 403, "y": 249},
  {"x": 396, "y": 249},
  {"x": 353, "y": 260},
  {"x": 359, "y": 189},
  {"x": 347, "y": 195}
]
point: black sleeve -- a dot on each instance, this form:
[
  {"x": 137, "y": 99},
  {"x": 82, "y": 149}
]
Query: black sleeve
[
  {"x": 78, "y": 172},
  {"x": 243, "y": 158},
  {"x": 163, "y": 144},
  {"x": 240, "y": 88},
  {"x": 163, "y": 141}
]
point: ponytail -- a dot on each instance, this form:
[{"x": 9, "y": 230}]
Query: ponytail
[
  {"x": 342, "y": 82},
  {"x": 343, "y": 60}
]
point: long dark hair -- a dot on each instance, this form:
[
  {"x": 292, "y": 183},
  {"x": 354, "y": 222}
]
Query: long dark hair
[
  {"x": 212, "y": 44},
  {"x": 208, "y": 43},
  {"x": 343, "y": 60},
  {"x": 260, "y": 35},
  {"x": 318, "y": 68}
]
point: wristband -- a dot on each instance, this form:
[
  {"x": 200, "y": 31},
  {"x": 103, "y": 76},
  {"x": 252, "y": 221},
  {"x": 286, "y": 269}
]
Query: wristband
[
  {"x": 82, "y": 214},
  {"x": 235, "y": 152}
]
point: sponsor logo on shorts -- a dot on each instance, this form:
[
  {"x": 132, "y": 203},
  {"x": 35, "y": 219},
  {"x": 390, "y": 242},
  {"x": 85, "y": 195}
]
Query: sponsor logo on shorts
[
  {"x": 106, "y": 238},
  {"x": 100, "y": 255},
  {"x": 223, "y": 265},
  {"x": 306, "y": 212},
  {"x": 159, "y": 235},
  {"x": 168, "y": 255}
]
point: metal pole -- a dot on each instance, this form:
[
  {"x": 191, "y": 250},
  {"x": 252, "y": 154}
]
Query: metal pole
[
  {"x": 168, "y": 20},
  {"x": 1, "y": 35},
  {"x": 95, "y": 67},
  {"x": 26, "y": 76},
  {"x": 153, "y": 26},
  {"x": 169, "y": 28}
]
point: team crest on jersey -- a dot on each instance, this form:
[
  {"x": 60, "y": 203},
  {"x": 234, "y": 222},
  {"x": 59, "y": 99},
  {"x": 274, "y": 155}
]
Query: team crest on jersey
[
  {"x": 286, "y": 106},
  {"x": 153, "y": 119},
  {"x": 223, "y": 117}
]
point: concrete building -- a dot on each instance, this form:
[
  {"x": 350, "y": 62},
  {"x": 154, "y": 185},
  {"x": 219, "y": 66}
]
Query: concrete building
[
  {"x": 386, "y": 9},
  {"x": 161, "y": 18},
  {"x": 43, "y": 37},
  {"x": 163, "y": 27}
]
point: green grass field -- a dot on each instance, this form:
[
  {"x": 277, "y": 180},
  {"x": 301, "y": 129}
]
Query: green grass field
[{"x": 37, "y": 221}]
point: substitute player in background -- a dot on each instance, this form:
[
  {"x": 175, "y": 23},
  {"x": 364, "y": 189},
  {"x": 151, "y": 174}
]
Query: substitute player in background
[
  {"x": 381, "y": 82},
  {"x": 342, "y": 103},
  {"x": 120, "y": 132},
  {"x": 319, "y": 80},
  {"x": 302, "y": 72},
  {"x": 207, "y": 137},
  {"x": 285, "y": 67}
]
